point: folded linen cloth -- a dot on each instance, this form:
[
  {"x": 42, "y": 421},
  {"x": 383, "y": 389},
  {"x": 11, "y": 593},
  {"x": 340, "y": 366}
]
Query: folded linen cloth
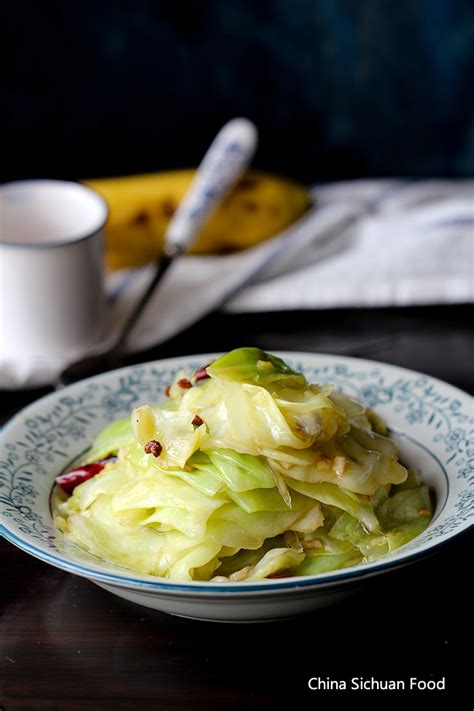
[
  {"x": 365, "y": 243},
  {"x": 413, "y": 244}
]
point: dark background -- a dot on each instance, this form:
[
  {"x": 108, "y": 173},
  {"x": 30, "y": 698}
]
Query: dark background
[{"x": 338, "y": 88}]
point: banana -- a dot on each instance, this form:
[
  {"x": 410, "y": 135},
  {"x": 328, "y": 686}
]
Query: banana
[{"x": 141, "y": 206}]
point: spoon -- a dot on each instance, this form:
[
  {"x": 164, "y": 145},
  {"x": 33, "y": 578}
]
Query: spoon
[{"x": 226, "y": 159}]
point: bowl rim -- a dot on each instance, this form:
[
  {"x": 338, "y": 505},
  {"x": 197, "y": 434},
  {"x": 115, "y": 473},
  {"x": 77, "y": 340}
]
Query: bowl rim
[{"x": 151, "y": 583}]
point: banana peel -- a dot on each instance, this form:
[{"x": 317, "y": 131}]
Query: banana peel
[{"x": 259, "y": 206}]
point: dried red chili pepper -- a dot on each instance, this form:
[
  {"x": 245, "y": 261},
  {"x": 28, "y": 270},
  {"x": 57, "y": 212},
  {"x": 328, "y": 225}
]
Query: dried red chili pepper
[
  {"x": 201, "y": 374},
  {"x": 69, "y": 480}
]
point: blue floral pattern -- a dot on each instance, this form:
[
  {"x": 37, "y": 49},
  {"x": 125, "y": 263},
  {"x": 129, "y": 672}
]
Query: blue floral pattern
[{"x": 52, "y": 432}]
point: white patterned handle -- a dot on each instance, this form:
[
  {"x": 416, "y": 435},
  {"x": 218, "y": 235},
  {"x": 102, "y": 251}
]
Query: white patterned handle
[{"x": 226, "y": 159}]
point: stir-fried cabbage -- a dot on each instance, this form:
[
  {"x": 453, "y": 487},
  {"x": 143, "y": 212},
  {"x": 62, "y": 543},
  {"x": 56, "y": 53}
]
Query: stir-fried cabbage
[{"x": 246, "y": 472}]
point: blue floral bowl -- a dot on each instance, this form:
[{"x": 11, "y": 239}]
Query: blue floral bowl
[{"x": 431, "y": 421}]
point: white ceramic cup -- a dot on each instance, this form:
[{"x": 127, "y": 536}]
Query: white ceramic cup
[{"x": 51, "y": 269}]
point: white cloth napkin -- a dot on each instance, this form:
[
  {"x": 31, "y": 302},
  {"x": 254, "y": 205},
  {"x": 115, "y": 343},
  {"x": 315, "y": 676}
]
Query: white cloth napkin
[{"x": 365, "y": 243}]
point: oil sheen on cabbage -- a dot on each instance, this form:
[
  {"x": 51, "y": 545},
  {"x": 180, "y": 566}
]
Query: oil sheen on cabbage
[{"x": 246, "y": 471}]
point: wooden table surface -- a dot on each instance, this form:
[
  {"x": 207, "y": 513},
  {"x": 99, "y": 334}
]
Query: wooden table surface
[{"x": 67, "y": 645}]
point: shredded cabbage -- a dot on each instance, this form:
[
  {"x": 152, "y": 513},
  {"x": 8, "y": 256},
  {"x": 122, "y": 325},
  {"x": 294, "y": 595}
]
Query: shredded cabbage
[{"x": 253, "y": 473}]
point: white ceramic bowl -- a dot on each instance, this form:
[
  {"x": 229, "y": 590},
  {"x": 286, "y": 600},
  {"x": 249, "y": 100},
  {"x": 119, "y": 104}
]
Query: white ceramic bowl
[{"x": 432, "y": 422}]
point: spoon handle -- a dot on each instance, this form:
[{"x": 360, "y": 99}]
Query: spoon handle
[{"x": 226, "y": 159}]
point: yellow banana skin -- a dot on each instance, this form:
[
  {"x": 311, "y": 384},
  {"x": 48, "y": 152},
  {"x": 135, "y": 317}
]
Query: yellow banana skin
[{"x": 141, "y": 206}]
